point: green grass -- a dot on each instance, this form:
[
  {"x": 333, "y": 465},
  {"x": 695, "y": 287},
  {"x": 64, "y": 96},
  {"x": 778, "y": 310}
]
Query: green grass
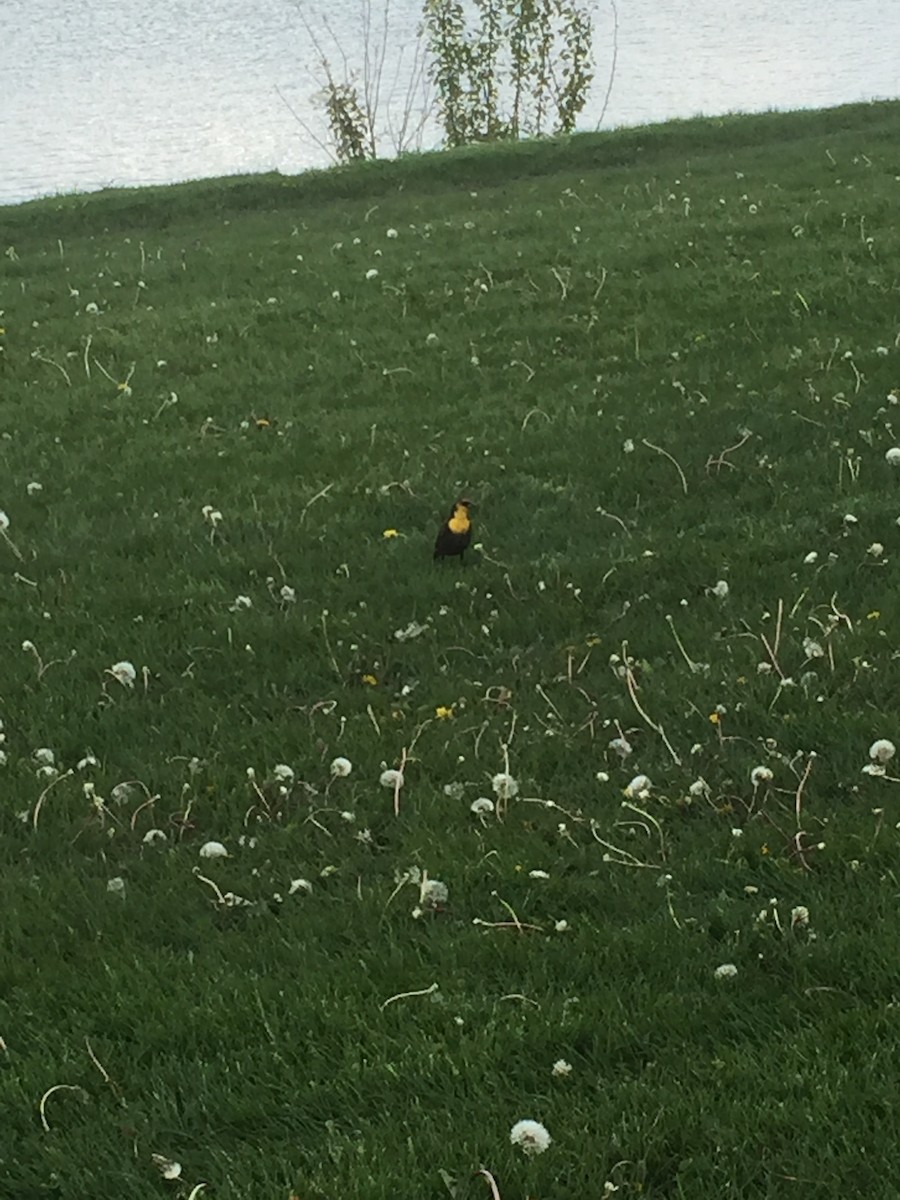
[{"x": 572, "y": 333}]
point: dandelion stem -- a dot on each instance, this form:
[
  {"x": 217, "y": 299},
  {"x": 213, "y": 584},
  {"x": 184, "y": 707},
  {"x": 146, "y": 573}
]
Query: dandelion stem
[
  {"x": 210, "y": 883},
  {"x": 107, "y": 1078},
  {"x": 491, "y": 1182},
  {"x": 666, "y": 454},
  {"x": 429, "y": 991},
  {"x": 40, "y": 799},
  {"x": 12, "y": 545},
  {"x": 632, "y": 692},
  {"x": 337, "y": 669},
  {"x": 58, "y": 1087},
  {"x": 318, "y": 496},
  {"x": 653, "y": 821},
  {"x": 684, "y": 654},
  {"x": 798, "y": 798},
  {"x": 398, "y": 782}
]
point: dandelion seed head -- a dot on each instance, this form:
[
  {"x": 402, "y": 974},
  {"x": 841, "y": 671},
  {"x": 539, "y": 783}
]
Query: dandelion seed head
[
  {"x": 152, "y": 836},
  {"x": 116, "y": 887},
  {"x": 505, "y": 787},
  {"x": 621, "y": 746},
  {"x": 341, "y": 767},
  {"x": 799, "y": 916},
  {"x": 761, "y": 775},
  {"x": 882, "y": 751},
  {"x": 530, "y": 1136},
  {"x": 482, "y": 806},
  {"x": 213, "y": 850},
  {"x": 282, "y": 773},
  {"x": 561, "y": 1068},
  {"x": 638, "y": 788},
  {"x": 124, "y": 672},
  {"x": 433, "y": 893},
  {"x": 300, "y": 885},
  {"x": 372, "y": 273},
  {"x": 892, "y": 456},
  {"x": 391, "y": 778},
  {"x": 725, "y": 971},
  {"x": 4, "y": 521},
  {"x": 167, "y": 1167},
  {"x": 721, "y": 589}
]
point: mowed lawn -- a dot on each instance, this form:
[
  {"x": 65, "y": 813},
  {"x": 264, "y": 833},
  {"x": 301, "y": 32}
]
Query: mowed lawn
[{"x": 637, "y": 877}]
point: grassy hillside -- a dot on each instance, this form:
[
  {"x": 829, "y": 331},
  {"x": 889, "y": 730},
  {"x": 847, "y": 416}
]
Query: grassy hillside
[{"x": 665, "y": 365}]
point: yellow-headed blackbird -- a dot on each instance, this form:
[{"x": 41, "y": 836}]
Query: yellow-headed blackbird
[{"x": 455, "y": 533}]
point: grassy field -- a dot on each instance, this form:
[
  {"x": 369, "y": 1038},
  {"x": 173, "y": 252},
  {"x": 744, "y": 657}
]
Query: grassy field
[{"x": 665, "y": 365}]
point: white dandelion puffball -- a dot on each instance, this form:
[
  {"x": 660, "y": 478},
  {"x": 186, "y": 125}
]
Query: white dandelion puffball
[
  {"x": 341, "y": 767},
  {"x": 152, "y": 836},
  {"x": 561, "y": 1068},
  {"x": 391, "y": 778},
  {"x": 372, "y": 273},
  {"x": 4, "y": 521},
  {"x": 811, "y": 557},
  {"x": 300, "y": 885},
  {"x": 531, "y": 1136},
  {"x": 125, "y": 673},
  {"x": 482, "y": 806},
  {"x": 116, "y": 886},
  {"x": 760, "y": 775},
  {"x": 213, "y": 850},
  {"x": 167, "y": 1167},
  {"x": 892, "y": 457},
  {"x": 392, "y": 233},
  {"x": 45, "y": 756},
  {"x": 721, "y": 590},
  {"x": 283, "y": 773},
  {"x": 799, "y": 916},
  {"x": 639, "y": 786},
  {"x": 433, "y": 893},
  {"x": 726, "y": 971},
  {"x": 882, "y": 751},
  {"x": 505, "y": 787}
]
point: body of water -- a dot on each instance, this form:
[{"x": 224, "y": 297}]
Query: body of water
[{"x": 121, "y": 92}]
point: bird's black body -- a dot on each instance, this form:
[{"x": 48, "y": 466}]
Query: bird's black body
[{"x": 455, "y": 534}]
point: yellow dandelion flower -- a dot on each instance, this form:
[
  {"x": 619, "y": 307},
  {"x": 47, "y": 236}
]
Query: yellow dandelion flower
[
  {"x": 390, "y": 533},
  {"x": 592, "y": 641},
  {"x": 443, "y": 713},
  {"x": 742, "y": 679},
  {"x": 715, "y": 718},
  {"x": 370, "y": 680},
  {"x": 873, "y": 615},
  {"x": 764, "y": 849}
]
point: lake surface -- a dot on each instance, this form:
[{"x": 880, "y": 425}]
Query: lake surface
[{"x": 116, "y": 92}]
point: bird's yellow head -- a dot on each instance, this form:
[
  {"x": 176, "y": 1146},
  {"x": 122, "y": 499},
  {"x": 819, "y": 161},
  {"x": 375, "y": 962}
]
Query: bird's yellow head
[{"x": 460, "y": 521}]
